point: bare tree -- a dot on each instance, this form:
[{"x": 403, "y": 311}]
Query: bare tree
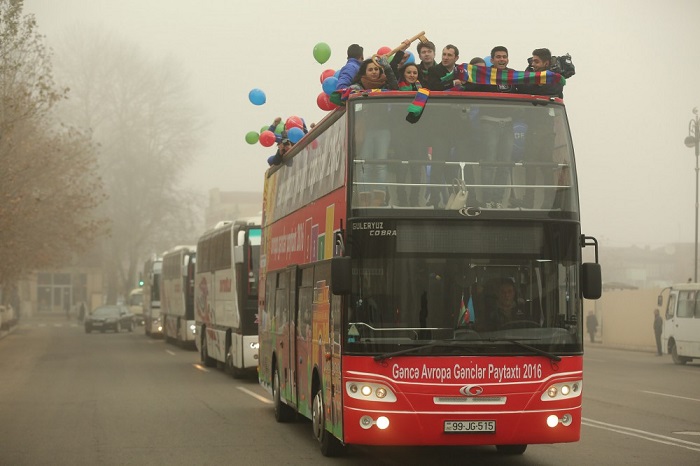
[
  {"x": 148, "y": 131},
  {"x": 48, "y": 182}
]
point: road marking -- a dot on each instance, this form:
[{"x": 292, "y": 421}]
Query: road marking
[
  {"x": 200, "y": 367},
  {"x": 642, "y": 434},
  {"x": 671, "y": 396},
  {"x": 585, "y": 360},
  {"x": 171, "y": 353},
  {"x": 255, "y": 395}
]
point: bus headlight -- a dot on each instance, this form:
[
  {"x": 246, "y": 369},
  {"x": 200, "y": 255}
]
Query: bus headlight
[
  {"x": 370, "y": 391},
  {"x": 562, "y": 391}
]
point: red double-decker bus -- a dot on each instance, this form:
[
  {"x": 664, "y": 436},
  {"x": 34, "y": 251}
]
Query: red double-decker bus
[{"x": 422, "y": 283}]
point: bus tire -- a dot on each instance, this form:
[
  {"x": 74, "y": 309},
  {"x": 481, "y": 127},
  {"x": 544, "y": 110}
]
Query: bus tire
[
  {"x": 206, "y": 360},
  {"x": 330, "y": 446},
  {"x": 283, "y": 413},
  {"x": 676, "y": 358},
  {"x": 511, "y": 449}
]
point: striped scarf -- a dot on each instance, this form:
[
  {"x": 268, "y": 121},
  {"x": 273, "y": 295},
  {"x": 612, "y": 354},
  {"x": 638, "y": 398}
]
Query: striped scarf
[
  {"x": 493, "y": 76},
  {"x": 415, "y": 110}
]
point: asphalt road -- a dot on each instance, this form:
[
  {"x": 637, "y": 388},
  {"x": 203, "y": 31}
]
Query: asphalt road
[{"x": 67, "y": 397}]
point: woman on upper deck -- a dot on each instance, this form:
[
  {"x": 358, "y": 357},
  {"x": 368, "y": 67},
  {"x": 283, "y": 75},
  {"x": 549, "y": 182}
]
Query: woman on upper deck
[
  {"x": 408, "y": 77},
  {"x": 373, "y": 76}
]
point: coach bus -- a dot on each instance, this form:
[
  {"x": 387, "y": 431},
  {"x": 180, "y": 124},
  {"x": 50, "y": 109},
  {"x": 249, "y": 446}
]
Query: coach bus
[
  {"x": 681, "y": 330},
  {"x": 151, "y": 296},
  {"x": 422, "y": 283},
  {"x": 226, "y": 291},
  {"x": 177, "y": 295}
]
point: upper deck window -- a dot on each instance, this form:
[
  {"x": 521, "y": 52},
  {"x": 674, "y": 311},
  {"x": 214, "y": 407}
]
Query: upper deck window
[{"x": 509, "y": 154}]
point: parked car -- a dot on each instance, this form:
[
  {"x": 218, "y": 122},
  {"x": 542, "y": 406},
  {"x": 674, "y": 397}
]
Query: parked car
[{"x": 116, "y": 317}]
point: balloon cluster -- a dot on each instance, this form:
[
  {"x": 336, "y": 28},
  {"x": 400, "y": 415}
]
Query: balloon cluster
[{"x": 294, "y": 126}]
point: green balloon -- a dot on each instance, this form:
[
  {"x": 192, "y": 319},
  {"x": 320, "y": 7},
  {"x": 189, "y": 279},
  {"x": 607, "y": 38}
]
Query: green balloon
[
  {"x": 263, "y": 129},
  {"x": 322, "y": 52},
  {"x": 279, "y": 128},
  {"x": 251, "y": 137}
]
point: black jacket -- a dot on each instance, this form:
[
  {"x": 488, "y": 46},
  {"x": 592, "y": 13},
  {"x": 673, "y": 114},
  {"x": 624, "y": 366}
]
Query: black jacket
[{"x": 556, "y": 90}]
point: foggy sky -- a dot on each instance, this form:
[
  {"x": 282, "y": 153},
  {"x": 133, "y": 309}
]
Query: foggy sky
[{"x": 629, "y": 104}]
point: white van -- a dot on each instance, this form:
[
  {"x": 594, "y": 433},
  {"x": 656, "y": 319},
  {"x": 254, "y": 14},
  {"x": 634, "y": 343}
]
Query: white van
[{"x": 681, "y": 335}]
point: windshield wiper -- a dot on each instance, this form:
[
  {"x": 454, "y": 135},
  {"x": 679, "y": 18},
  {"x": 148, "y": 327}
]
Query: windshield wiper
[
  {"x": 413, "y": 349},
  {"x": 451, "y": 343},
  {"x": 544, "y": 353}
]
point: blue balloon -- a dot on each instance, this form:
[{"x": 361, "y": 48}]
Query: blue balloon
[
  {"x": 329, "y": 84},
  {"x": 487, "y": 59},
  {"x": 295, "y": 134},
  {"x": 256, "y": 97},
  {"x": 411, "y": 58},
  {"x": 337, "y": 73}
]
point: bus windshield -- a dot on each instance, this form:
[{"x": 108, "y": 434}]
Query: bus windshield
[
  {"x": 503, "y": 153},
  {"x": 417, "y": 283}
]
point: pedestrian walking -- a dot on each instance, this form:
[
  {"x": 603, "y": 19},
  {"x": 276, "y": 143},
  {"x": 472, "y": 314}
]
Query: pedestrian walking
[
  {"x": 658, "y": 329},
  {"x": 592, "y": 325}
]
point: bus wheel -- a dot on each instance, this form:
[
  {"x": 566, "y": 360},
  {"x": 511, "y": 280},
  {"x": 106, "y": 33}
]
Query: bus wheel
[
  {"x": 674, "y": 354},
  {"x": 511, "y": 449},
  {"x": 283, "y": 413},
  {"x": 206, "y": 360},
  {"x": 330, "y": 446}
]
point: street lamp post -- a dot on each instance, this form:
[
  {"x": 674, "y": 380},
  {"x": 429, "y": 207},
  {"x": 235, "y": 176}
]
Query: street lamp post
[{"x": 693, "y": 140}]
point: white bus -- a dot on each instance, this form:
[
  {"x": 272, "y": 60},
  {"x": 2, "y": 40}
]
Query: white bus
[
  {"x": 681, "y": 334},
  {"x": 135, "y": 303},
  {"x": 177, "y": 295},
  {"x": 226, "y": 291},
  {"x": 151, "y": 296}
]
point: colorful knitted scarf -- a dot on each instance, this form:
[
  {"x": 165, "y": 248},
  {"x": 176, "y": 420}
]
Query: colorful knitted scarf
[
  {"x": 493, "y": 76},
  {"x": 415, "y": 110}
]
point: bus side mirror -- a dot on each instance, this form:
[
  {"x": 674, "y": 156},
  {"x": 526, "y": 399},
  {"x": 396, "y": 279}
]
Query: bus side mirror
[
  {"x": 591, "y": 280},
  {"x": 341, "y": 275}
]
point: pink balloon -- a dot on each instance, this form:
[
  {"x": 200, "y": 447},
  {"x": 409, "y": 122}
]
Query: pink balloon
[
  {"x": 384, "y": 50},
  {"x": 326, "y": 74},
  {"x": 293, "y": 122},
  {"x": 267, "y": 138}
]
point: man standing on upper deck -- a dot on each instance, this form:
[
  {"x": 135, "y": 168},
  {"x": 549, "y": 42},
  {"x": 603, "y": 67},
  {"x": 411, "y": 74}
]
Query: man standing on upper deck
[
  {"x": 441, "y": 77},
  {"x": 426, "y": 53},
  {"x": 539, "y": 139},
  {"x": 498, "y": 139},
  {"x": 349, "y": 70},
  {"x": 541, "y": 61}
]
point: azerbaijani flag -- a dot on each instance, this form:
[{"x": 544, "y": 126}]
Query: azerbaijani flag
[{"x": 464, "y": 314}]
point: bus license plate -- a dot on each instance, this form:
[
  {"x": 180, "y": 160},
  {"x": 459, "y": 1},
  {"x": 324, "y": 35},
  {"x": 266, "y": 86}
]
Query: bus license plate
[{"x": 470, "y": 427}]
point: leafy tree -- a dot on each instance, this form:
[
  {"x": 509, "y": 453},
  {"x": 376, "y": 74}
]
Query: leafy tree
[
  {"x": 148, "y": 133},
  {"x": 49, "y": 187}
]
